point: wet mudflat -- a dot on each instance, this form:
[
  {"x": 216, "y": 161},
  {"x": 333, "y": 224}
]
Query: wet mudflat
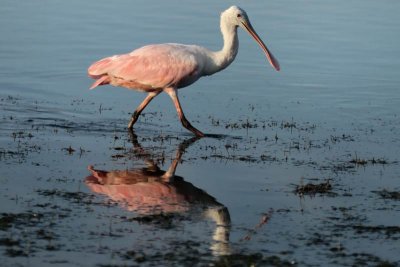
[
  {"x": 300, "y": 167},
  {"x": 265, "y": 192}
]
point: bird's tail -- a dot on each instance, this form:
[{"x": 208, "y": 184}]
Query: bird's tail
[
  {"x": 101, "y": 81},
  {"x": 99, "y": 70}
]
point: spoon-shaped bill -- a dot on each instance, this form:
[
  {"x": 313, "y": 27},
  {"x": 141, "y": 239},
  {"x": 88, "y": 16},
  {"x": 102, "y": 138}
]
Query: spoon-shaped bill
[{"x": 272, "y": 60}]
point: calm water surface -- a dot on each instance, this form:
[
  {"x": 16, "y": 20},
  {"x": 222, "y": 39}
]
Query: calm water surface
[{"x": 336, "y": 99}]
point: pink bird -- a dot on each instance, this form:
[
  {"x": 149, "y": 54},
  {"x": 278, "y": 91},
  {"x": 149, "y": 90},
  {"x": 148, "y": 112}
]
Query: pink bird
[{"x": 168, "y": 67}]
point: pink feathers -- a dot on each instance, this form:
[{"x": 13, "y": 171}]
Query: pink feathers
[{"x": 150, "y": 68}]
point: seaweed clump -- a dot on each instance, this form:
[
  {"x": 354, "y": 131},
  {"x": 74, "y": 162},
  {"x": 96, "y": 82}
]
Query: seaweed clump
[
  {"x": 313, "y": 189},
  {"x": 385, "y": 194}
]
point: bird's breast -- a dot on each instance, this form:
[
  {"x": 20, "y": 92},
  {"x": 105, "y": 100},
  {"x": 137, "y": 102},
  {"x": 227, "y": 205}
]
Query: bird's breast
[{"x": 189, "y": 79}]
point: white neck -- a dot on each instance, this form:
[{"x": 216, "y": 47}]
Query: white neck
[{"x": 223, "y": 58}]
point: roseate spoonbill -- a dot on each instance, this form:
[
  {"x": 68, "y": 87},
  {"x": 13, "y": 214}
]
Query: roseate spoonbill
[{"x": 167, "y": 67}]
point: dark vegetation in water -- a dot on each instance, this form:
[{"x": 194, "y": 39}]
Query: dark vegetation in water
[
  {"x": 360, "y": 161},
  {"x": 188, "y": 253},
  {"x": 252, "y": 260},
  {"x": 389, "y": 231},
  {"x": 31, "y": 232},
  {"x": 163, "y": 220},
  {"x": 385, "y": 194},
  {"x": 313, "y": 189},
  {"x": 73, "y": 197}
]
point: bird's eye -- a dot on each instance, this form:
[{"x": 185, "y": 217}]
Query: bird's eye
[{"x": 239, "y": 16}]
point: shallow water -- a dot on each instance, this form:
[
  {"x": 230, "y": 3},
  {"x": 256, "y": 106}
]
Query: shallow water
[{"x": 331, "y": 114}]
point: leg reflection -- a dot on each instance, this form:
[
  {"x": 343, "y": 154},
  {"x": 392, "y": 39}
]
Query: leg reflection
[{"x": 152, "y": 191}]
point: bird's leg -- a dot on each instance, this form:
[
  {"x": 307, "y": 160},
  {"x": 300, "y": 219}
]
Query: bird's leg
[
  {"x": 173, "y": 93},
  {"x": 140, "y": 108},
  {"x": 170, "y": 173}
]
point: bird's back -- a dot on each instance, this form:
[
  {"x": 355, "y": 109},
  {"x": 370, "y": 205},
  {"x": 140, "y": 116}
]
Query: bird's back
[{"x": 152, "y": 67}]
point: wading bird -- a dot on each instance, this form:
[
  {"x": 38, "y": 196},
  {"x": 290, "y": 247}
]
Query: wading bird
[{"x": 168, "y": 67}]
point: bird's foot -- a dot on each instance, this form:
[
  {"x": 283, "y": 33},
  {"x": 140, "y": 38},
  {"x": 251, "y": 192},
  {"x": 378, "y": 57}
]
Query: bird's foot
[
  {"x": 197, "y": 133},
  {"x": 188, "y": 126},
  {"x": 130, "y": 124},
  {"x": 133, "y": 120}
]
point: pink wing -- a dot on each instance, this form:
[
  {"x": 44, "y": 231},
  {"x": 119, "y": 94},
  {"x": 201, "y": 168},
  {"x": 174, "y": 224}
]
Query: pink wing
[{"x": 155, "y": 66}]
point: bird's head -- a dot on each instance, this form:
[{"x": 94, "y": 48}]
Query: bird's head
[{"x": 237, "y": 17}]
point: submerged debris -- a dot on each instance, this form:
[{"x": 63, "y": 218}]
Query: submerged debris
[
  {"x": 69, "y": 149},
  {"x": 312, "y": 189},
  {"x": 366, "y": 259},
  {"x": 387, "y": 230},
  {"x": 118, "y": 156},
  {"x": 74, "y": 197},
  {"x": 385, "y": 194},
  {"x": 359, "y": 161},
  {"x": 255, "y": 259},
  {"x": 7, "y": 220},
  {"x": 164, "y": 220}
]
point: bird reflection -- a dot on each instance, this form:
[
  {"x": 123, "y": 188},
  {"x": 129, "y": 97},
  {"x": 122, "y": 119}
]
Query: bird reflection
[{"x": 152, "y": 191}]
